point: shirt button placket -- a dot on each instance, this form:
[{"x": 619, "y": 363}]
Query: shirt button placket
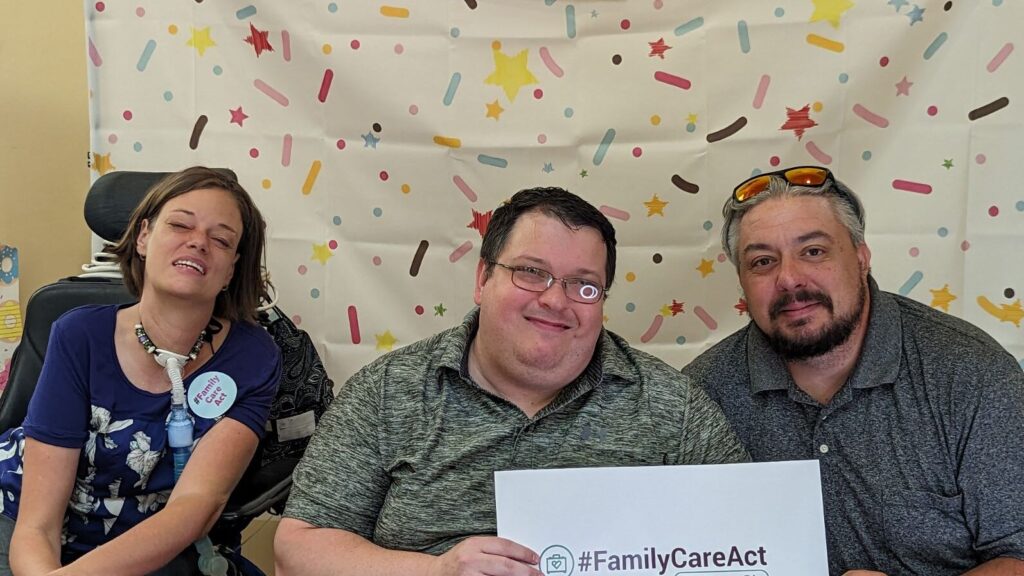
[
  {"x": 520, "y": 432},
  {"x": 820, "y": 441}
]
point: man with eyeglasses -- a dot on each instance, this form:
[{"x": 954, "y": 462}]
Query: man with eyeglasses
[
  {"x": 916, "y": 417},
  {"x": 399, "y": 476}
]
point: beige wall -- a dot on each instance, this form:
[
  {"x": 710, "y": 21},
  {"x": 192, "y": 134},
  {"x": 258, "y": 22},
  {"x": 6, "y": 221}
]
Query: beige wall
[{"x": 44, "y": 139}]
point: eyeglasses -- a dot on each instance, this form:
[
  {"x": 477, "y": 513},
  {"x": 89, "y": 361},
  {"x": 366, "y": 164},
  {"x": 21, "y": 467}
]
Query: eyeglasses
[
  {"x": 537, "y": 280},
  {"x": 799, "y": 176}
]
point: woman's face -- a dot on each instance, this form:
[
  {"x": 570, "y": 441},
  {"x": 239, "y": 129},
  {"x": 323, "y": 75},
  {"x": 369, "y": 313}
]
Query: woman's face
[{"x": 191, "y": 246}]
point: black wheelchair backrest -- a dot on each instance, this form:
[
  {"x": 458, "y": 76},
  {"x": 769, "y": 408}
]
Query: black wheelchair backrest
[{"x": 44, "y": 307}]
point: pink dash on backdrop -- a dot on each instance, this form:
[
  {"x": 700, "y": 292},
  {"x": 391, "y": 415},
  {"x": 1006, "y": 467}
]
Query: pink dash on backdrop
[
  {"x": 325, "y": 85},
  {"x": 461, "y": 251},
  {"x": 762, "y": 89},
  {"x": 908, "y": 186},
  {"x": 461, "y": 185},
  {"x": 286, "y": 46},
  {"x": 817, "y": 153},
  {"x": 706, "y": 318},
  {"x": 94, "y": 55},
  {"x": 286, "y": 150},
  {"x": 672, "y": 80},
  {"x": 652, "y": 330},
  {"x": 869, "y": 116},
  {"x": 353, "y": 325},
  {"x": 616, "y": 213},
  {"x": 270, "y": 92},
  {"x": 993, "y": 64},
  {"x": 545, "y": 57}
]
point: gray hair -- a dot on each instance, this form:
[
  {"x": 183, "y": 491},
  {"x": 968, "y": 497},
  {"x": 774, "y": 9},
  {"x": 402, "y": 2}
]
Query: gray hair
[{"x": 845, "y": 205}]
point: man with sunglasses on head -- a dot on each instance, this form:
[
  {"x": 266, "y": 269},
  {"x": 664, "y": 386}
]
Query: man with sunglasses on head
[
  {"x": 399, "y": 476},
  {"x": 915, "y": 417}
]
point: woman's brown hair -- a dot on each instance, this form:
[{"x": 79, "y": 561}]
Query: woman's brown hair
[{"x": 249, "y": 283}]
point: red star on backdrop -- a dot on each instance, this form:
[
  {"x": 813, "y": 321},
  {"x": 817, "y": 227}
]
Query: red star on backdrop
[
  {"x": 259, "y": 41},
  {"x": 676, "y": 307},
  {"x": 658, "y": 48},
  {"x": 480, "y": 221},
  {"x": 237, "y": 115},
  {"x": 741, "y": 307},
  {"x": 798, "y": 121}
]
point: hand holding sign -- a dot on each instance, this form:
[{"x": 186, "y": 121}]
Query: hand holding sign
[{"x": 487, "y": 555}]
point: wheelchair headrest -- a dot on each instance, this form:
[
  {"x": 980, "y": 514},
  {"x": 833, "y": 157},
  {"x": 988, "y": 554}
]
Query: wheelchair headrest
[{"x": 113, "y": 197}]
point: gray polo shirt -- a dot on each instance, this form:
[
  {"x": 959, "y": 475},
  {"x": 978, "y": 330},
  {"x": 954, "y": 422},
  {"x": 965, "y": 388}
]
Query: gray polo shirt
[
  {"x": 406, "y": 455},
  {"x": 921, "y": 453}
]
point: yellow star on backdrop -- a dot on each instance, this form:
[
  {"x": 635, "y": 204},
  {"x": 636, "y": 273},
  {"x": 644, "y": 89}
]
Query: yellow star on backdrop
[
  {"x": 510, "y": 72},
  {"x": 1011, "y": 313},
  {"x": 691, "y": 118},
  {"x": 941, "y": 298},
  {"x": 706, "y": 267},
  {"x": 102, "y": 163},
  {"x": 1004, "y": 312},
  {"x": 321, "y": 253},
  {"x": 666, "y": 310},
  {"x": 200, "y": 40},
  {"x": 385, "y": 341},
  {"x": 830, "y": 10},
  {"x": 655, "y": 206},
  {"x": 494, "y": 110}
]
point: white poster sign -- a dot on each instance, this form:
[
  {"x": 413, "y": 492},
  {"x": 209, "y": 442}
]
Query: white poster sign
[{"x": 742, "y": 519}]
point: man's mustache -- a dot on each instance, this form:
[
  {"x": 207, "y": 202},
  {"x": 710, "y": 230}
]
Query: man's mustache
[{"x": 806, "y": 296}]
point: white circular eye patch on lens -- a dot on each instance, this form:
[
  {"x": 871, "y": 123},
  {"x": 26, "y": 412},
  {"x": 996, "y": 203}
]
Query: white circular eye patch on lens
[{"x": 589, "y": 291}]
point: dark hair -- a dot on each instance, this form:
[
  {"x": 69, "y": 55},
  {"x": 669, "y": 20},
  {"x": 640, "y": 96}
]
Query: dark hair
[
  {"x": 249, "y": 282},
  {"x": 572, "y": 210}
]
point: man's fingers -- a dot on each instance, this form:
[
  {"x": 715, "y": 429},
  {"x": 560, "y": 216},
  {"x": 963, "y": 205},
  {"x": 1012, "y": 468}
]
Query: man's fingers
[
  {"x": 505, "y": 566},
  {"x": 508, "y": 548}
]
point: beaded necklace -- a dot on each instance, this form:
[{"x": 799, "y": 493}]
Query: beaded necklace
[{"x": 151, "y": 348}]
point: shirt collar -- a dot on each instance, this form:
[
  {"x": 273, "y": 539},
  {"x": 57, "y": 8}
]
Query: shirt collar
[{"x": 879, "y": 361}]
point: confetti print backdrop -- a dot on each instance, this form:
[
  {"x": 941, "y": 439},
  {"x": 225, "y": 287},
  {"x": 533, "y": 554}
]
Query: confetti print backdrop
[{"x": 378, "y": 136}]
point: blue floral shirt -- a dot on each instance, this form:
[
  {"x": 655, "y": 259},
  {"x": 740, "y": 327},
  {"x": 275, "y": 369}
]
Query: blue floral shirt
[{"x": 83, "y": 400}]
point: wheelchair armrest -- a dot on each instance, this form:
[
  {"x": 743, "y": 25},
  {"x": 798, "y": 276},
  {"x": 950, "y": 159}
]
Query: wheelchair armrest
[{"x": 259, "y": 491}]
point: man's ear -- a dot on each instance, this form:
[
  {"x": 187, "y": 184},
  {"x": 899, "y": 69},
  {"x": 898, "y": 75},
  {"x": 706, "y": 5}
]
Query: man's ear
[
  {"x": 864, "y": 258},
  {"x": 482, "y": 276}
]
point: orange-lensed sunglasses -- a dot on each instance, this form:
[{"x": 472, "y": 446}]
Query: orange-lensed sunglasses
[{"x": 798, "y": 176}]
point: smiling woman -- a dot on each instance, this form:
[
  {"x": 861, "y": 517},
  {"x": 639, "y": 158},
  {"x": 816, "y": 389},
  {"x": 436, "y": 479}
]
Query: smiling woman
[
  {"x": 98, "y": 472},
  {"x": 242, "y": 295}
]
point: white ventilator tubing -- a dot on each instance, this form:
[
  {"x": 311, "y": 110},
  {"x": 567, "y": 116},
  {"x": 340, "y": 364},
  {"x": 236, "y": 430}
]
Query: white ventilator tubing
[{"x": 210, "y": 563}]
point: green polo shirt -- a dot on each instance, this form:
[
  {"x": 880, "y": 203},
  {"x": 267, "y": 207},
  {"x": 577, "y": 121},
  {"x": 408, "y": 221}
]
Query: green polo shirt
[{"x": 406, "y": 455}]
